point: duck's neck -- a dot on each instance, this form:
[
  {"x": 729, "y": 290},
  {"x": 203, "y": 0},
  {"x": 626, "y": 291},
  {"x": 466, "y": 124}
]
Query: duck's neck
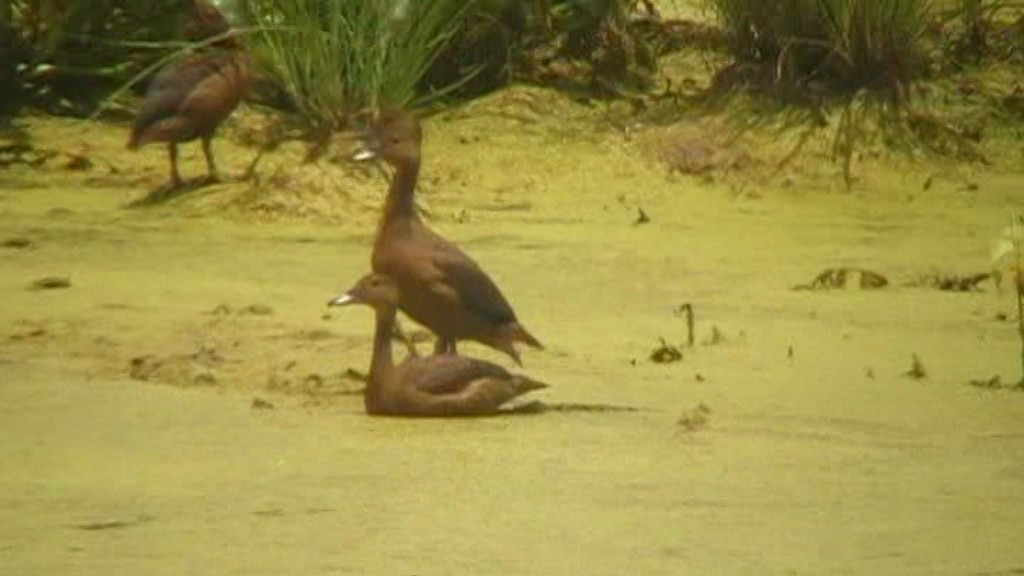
[
  {"x": 381, "y": 363},
  {"x": 400, "y": 204}
]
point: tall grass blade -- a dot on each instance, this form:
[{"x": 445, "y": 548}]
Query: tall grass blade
[{"x": 337, "y": 58}]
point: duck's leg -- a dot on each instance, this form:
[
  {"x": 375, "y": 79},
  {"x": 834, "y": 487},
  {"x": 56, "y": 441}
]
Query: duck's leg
[
  {"x": 172, "y": 153},
  {"x": 211, "y": 167},
  {"x": 444, "y": 345},
  {"x": 401, "y": 336}
]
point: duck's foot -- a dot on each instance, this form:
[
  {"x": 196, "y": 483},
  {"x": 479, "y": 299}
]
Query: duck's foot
[{"x": 445, "y": 346}]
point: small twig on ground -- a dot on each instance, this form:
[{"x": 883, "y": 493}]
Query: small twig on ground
[
  {"x": 642, "y": 217},
  {"x": 916, "y": 371},
  {"x": 687, "y": 310},
  {"x": 1019, "y": 284},
  {"x": 665, "y": 353}
]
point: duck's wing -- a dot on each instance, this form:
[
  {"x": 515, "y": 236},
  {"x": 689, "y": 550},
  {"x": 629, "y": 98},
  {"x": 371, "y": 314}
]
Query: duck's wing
[
  {"x": 448, "y": 373},
  {"x": 484, "y": 396},
  {"x": 170, "y": 89},
  {"x": 473, "y": 286},
  {"x": 446, "y": 391},
  {"x": 188, "y": 72},
  {"x": 456, "y": 385}
]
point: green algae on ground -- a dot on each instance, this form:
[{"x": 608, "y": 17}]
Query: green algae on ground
[{"x": 801, "y": 462}]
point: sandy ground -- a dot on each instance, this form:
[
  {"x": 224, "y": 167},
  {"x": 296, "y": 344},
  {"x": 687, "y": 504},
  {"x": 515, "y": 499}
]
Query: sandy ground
[{"x": 183, "y": 407}]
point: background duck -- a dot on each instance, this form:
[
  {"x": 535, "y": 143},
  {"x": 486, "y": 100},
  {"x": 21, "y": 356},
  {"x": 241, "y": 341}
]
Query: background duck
[{"x": 191, "y": 98}]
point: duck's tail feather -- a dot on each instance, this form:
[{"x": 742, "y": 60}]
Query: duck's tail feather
[
  {"x": 526, "y": 384},
  {"x": 526, "y": 338}
]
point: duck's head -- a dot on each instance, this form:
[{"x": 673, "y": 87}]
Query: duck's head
[
  {"x": 206, "y": 21},
  {"x": 394, "y": 138},
  {"x": 375, "y": 290}
]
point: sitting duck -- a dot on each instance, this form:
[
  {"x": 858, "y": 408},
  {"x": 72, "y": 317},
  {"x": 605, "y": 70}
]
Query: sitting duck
[{"x": 439, "y": 385}]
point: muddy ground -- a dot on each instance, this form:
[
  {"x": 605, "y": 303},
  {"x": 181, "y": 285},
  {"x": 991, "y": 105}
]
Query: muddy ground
[{"x": 187, "y": 404}]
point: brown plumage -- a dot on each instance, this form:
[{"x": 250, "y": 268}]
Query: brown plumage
[
  {"x": 439, "y": 286},
  {"x": 190, "y": 98},
  {"x": 442, "y": 385}
]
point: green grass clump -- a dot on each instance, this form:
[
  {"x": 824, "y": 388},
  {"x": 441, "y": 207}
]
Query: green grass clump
[
  {"x": 336, "y": 58},
  {"x": 852, "y": 67},
  {"x": 67, "y": 55},
  {"x": 839, "y": 46},
  {"x": 978, "y": 25}
]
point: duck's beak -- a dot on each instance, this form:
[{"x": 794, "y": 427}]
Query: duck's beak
[
  {"x": 364, "y": 153},
  {"x": 343, "y": 300},
  {"x": 367, "y": 147}
]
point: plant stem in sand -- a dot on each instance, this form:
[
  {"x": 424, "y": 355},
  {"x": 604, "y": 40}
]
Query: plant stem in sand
[{"x": 1018, "y": 282}]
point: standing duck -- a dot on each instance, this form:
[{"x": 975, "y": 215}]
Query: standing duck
[
  {"x": 439, "y": 286},
  {"x": 440, "y": 385},
  {"x": 189, "y": 99}
]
